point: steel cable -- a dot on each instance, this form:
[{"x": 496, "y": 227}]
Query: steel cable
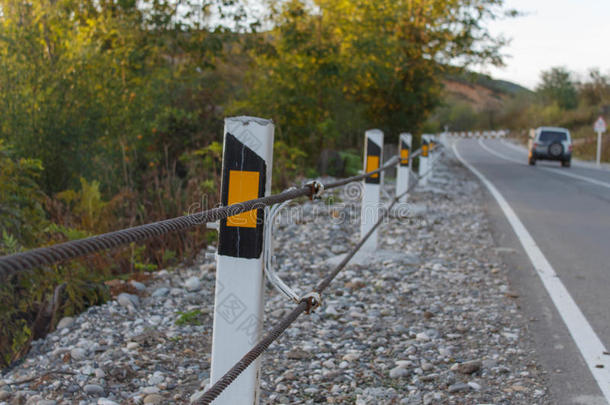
[
  {"x": 46, "y": 256},
  {"x": 390, "y": 163},
  {"x": 239, "y": 367}
]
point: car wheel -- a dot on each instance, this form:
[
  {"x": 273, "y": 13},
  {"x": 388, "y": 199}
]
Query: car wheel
[
  {"x": 555, "y": 150},
  {"x": 532, "y": 162},
  {"x": 566, "y": 163}
]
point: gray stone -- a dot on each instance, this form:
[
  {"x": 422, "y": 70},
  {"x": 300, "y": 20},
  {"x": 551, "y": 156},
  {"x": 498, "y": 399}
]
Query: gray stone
[
  {"x": 65, "y": 322},
  {"x": 93, "y": 389},
  {"x": 469, "y": 367},
  {"x": 128, "y": 300},
  {"x": 137, "y": 285},
  {"x": 398, "y": 372},
  {"x": 458, "y": 387},
  {"x": 78, "y": 354},
  {"x": 160, "y": 292},
  {"x": 154, "y": 399}
]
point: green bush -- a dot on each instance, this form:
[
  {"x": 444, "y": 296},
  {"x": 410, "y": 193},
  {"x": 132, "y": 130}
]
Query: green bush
[{"x": 352, "y": 162}]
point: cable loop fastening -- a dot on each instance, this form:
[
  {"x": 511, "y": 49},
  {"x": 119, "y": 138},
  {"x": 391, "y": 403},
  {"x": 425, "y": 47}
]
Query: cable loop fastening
[
  {"x": 313, "y": 300},
  {"x": 317, "y": 189}
]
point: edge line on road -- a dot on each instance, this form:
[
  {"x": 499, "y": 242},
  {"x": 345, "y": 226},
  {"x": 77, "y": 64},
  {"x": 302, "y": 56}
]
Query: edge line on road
[{"x": 590, "y": 346}]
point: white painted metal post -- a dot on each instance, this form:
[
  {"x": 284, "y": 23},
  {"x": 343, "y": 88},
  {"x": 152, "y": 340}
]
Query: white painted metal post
[
  {"x": 238, "y": 302},
  {"x": 371, "y": 187},
  {"x": 598, "y": 155},
  {"x": 424, "y": 160},
  {"x": 404, "y": 167}
]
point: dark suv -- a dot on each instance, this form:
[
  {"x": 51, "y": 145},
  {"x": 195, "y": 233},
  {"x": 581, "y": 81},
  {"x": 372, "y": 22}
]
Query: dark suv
[{"x": 550, "y": 143}]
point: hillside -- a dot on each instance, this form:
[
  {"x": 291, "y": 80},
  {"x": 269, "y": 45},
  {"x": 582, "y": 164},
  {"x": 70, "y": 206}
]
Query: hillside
[
  {"x": 474, "y": 101},
  {"x": 480, "y": 91}
]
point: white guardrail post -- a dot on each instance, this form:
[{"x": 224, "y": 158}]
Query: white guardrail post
[
  {"x": 430, "y": 155},
  {"x": 404, "y": 166},
  {"x": 371, "y": 188},
  {"x": 238, "y": 301},
  {"x": 424, "y": 164}
]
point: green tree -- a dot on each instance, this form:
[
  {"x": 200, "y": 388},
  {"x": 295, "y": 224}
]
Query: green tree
[
  {"x": 557, "y": 86},
  {"x": 596, "y": 90},
  {"x": 328, "y": 71}
]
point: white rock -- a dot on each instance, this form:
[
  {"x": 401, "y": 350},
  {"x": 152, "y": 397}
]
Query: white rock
[
  {"x": 192, "y": 284},
  {"x": 132, "y": 345},
  {"x": 475, "y": 386},
  {"x": 196, "y": 396},
  {"x": 106, "y": 401},
  {"x": 351, "y": 356}
]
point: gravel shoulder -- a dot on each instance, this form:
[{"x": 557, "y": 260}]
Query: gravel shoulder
[{"x": 431, "y": 320}]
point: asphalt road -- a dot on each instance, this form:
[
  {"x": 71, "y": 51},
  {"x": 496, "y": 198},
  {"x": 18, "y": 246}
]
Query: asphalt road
[{"x": 567, "y": 213}]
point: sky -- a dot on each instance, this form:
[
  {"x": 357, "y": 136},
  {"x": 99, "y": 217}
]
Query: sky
[{"x": 570, "y": 33}]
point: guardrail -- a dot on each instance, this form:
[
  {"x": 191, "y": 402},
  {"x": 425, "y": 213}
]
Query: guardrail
[{"x": 242, "y": 251}]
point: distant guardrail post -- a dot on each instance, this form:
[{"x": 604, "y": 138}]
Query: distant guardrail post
[
  {"x": 371, "y": 189},
  {"x": 424, "y": 164},
  {"x": 238, "y": 302},
  {"x": 404, "y": 166}
]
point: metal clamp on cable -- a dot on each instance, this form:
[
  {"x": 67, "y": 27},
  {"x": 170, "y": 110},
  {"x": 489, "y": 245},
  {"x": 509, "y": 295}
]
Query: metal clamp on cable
[
  {"x": 317, "y": 189},
  {"x": 313, "y": 300}
]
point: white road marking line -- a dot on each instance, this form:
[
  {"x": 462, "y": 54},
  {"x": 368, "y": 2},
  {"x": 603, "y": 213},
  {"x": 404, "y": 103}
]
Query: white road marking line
[
  {"x": 493, "y": 152},
  {"x": 589, "y": 344},
  {"x": 548, "y": 169},
  {"x": 517, "y": 148},
  {"x": 579, "y": 177},
  {"x": 575, "y": 162}
]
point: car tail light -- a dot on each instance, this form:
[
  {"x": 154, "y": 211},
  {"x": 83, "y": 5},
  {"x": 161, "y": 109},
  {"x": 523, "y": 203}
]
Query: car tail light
[
  {"x": 535, "y": 144},
  {"x": 570, "y": 148}
]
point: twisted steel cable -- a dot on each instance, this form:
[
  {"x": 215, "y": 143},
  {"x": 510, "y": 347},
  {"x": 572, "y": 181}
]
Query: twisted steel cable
[
  {"x": 46, "y": 256},
  {"x": 391, "y": 162},
  {"x": 239, "y": 367}
]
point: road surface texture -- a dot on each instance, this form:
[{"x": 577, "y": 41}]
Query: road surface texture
[{"x": 566, "y": 212}]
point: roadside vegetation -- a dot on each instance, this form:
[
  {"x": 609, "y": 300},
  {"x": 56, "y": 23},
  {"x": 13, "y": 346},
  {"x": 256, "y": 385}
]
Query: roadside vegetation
[
  {"x": 561, "y": 99},
  {"x": 111, "y": 115}
]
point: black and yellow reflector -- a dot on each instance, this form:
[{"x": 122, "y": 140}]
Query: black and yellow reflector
[
  {"x": 404, "y": 154},
  {"x": 373, "y": 160},
  {"x": 243, "y": 179}
]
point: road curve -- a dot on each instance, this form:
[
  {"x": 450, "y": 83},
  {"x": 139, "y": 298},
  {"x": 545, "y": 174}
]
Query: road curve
[{"x": 567, "y": 214}]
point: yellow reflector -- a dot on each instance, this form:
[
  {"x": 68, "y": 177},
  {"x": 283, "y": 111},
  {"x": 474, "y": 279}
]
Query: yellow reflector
[
  {"x": 424, "y": 150},
  {"x": 372, "y": 163},
  {"x": 243, "y": 186},
  {"x": 404, "y": 156}
]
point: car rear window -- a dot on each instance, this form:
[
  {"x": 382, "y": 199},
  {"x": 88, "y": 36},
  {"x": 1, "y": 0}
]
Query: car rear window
[{"x": 552, "y": 136}]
